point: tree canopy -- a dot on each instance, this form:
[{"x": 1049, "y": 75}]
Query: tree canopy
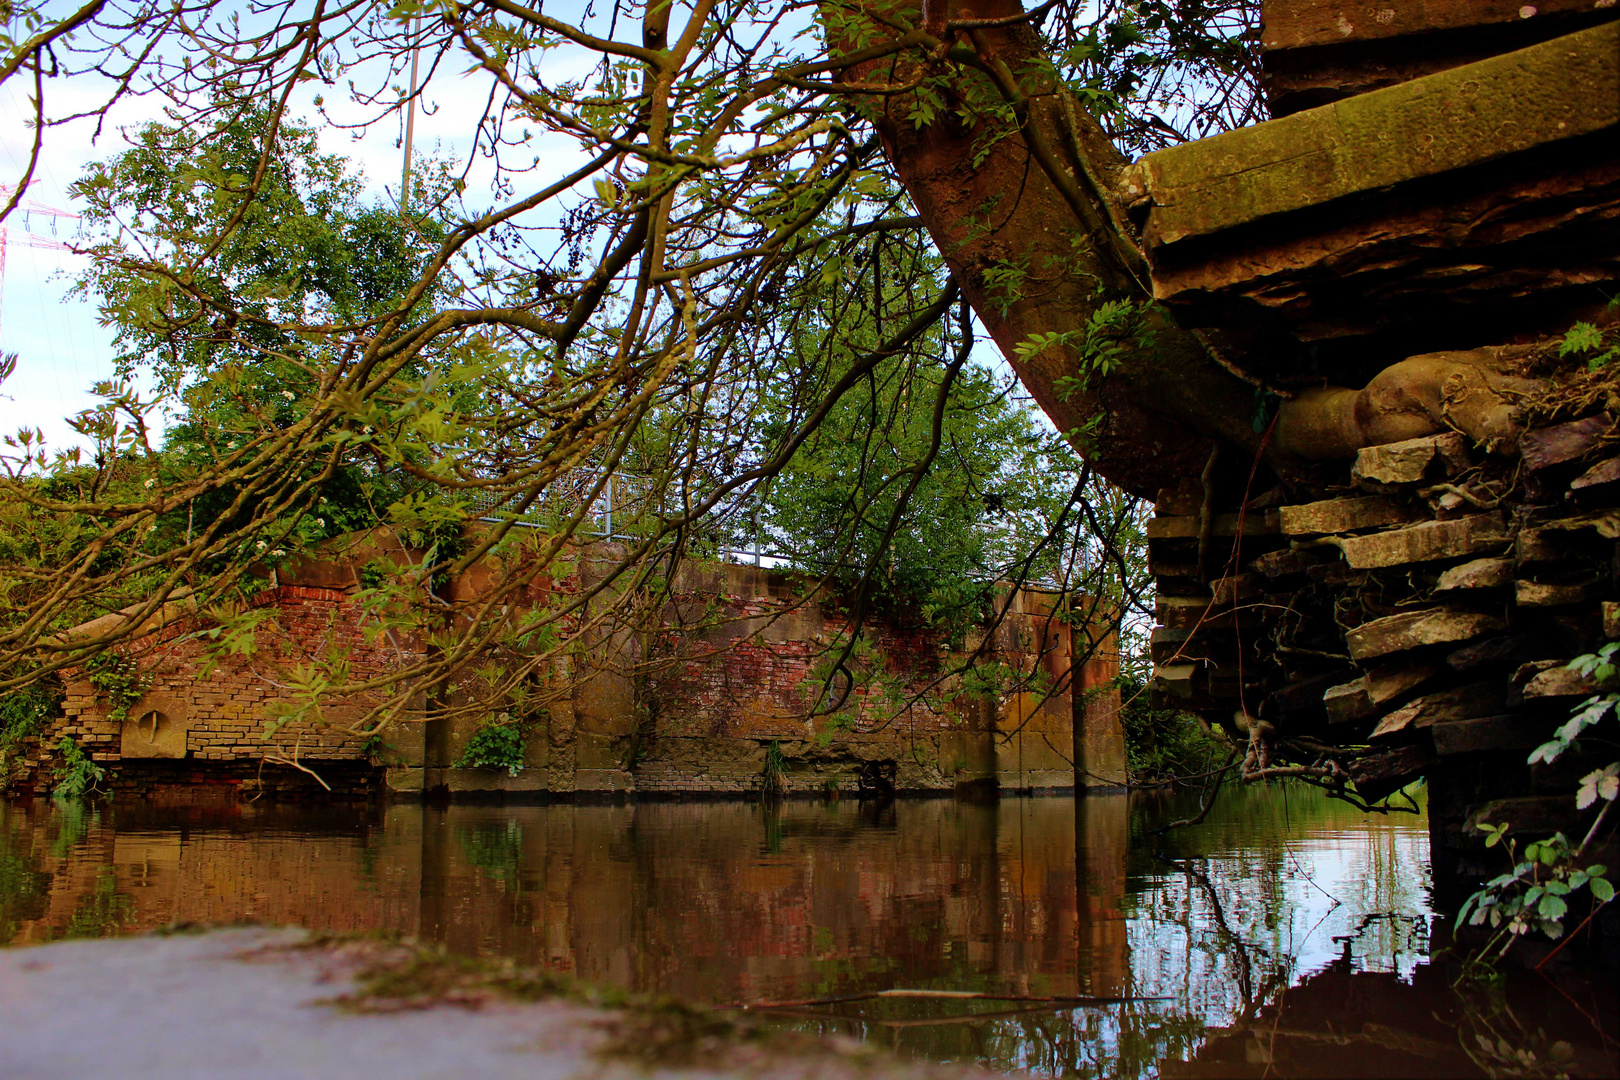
[{"x": 712, "y": 240}]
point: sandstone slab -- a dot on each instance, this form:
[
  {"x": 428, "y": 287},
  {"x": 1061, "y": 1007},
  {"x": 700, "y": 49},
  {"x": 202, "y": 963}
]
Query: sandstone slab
[
  {"x": 1426, "y": 542},
  {"x": 1531, "y": 594},
  {"x": 1464, "y": 703},
  {"x": 1451, "y": 120},
  {"x": 1411, "y": 460},
  {"x": 1549, "y": 446},
  {"x": 1416, "y": 629},
  {"x": 1558, "y": 682},
  {"x": 1380, "y": 775},
  {"x": 1295, "y": 24},
  {"x": 1341, "y": 515},
  {"x": 1479, "y": 574},
  {"x": 1604, "y": 472},
  {"x": 1387, "y": 682},
  {"x": 1486, "y": 733},
  {"x": 1347, "y": 702}
]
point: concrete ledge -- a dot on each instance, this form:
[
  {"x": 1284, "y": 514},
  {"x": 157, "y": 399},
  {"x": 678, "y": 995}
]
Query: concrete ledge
[
  {"x": 485, "y": 781},
  {"x": 1469, "y": 115},
  {"x": 1293, "y": 24}
]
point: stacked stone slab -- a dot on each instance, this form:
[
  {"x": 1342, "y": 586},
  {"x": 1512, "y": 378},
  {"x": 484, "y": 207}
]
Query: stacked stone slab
[
  {"x": 1441, "y": 176},
  {"x": 1414, "y": 618}
]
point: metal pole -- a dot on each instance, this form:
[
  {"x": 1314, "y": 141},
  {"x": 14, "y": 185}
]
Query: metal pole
[{"x": 410, "y": 122}]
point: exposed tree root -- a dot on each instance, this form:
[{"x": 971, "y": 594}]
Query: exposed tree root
[{"x": 1471, "y": 392}]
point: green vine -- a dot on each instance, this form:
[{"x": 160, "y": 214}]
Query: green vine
[{"x": 119, "y": 681}]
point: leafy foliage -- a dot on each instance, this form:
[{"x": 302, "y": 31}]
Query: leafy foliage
[
  {"x": 1536, "y": 893},
  {"x": 1116, "y": 329},
  {"x": 928, "y": 515},
  {"x": 1161, "y": 745},
  {"x": 76, "y": 773},
  {"x": 707, "y": 294},
  {"x": 1597, "y": 346},
  {"x": 773, "y": 773},
  {"x": 119, "y": 681},
  {"x": 24, "y": 715},
  {"x": 495, "y": 746}
]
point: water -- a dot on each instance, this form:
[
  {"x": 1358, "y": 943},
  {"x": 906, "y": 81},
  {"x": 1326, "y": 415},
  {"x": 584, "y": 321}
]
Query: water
[{"x": 1285, "y": 911}]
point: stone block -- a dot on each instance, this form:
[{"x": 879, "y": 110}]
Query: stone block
[
  {"x": 1464, "y": 703},
  {"x": 1498, "y": 652},
  {"x": 1554, "y": 541},
  {"x": 1417, "y": 629},
  {"x": 1604, "y": 472},
  {"x": 603, "y": 780},
  {"x": 1545, "y": 447},
  {"x": 1532, "y": 594},
  {"x": 486, "y": 781},
  {"x": 1347, "y": 702},
  {"x": 1176, "y": 680},
  {"x": 1530, "y": 816},
  {"x": 1389, "y": 682},
  {"x": 1486, "y": 733},
  {"x": 1342, "y": 515},
  {"x": 1426, "y": 542},
  {"x": 157, "y": 727},
  {"x": 1235, "y": 588},
  {"x": 1412, "y": 460},
  {"x": 1300, "y": 702},
  {"x": 1558, "y": 681},
  {"x": 1253, "y": 523},
  {"x": 1295, "y": 24},
  {"x": 405, "y": 781},
  {"x": 1287, "y": 561},
  {"x": 1479, "y": 574},
  {"x": 1379, "y": 775},
  {"x": 1454, "y": 119}
]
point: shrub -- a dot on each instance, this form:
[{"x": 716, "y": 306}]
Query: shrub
[
  {"x": 1162, "y": 744},
  {"x": 76, "y": 775},
  {"x": 496, "y": 745}
]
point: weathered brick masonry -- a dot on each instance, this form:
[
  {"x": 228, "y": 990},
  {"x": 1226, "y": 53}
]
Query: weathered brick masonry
[{"x": 717, "y": 700}]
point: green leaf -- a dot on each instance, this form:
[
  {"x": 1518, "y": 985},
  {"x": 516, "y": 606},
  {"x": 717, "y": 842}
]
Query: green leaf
[
  {"x": 1602, "y": 889},
  {"x": 1582, "y": 337},
  {"x": 1552, "y": 907}
]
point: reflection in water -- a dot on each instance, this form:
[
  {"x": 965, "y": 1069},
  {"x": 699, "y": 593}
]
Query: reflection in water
[{"x": 741, "y": 902}]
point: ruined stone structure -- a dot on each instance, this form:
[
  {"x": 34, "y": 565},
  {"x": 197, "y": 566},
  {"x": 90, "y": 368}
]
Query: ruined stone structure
[
  {"x": 1407, "y": 609},
  {"x": 694, "y": 709}
]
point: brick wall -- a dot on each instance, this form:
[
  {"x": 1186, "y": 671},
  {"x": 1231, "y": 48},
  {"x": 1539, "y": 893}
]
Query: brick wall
[
  {"x": 212, "y": 727},
  {"x": 696, "y": 708}
]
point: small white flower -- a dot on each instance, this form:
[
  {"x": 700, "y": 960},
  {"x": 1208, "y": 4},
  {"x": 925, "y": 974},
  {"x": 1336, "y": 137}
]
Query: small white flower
[
  {"x": 263, "y": 545},
  {"x": 278, "y": 552},
  {"x": 320, "y": 523},
  {"x": 288, "y": 394},
  {"x": 366, "y": 430},
  {"x": 152, "y": 527},
  {"x": 150, "y": 483}
]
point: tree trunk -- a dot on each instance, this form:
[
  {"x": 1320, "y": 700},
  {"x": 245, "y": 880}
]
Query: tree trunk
[
  {"x": 1025, "y": 214},
  {"x": 997, "y": 215}
]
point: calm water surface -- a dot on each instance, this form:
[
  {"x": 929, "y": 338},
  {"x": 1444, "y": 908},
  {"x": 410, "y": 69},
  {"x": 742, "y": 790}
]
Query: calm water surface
[{"x": 1288, "y": 935}]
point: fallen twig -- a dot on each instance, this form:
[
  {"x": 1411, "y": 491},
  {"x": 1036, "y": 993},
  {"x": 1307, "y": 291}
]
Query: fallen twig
[{"x": 942, "y": 995}]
